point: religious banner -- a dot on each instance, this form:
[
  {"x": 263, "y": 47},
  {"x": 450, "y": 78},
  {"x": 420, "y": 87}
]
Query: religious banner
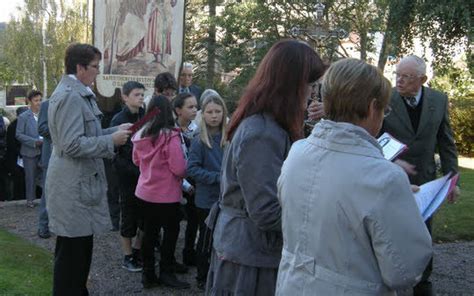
[{"x": 138, "y": 40}]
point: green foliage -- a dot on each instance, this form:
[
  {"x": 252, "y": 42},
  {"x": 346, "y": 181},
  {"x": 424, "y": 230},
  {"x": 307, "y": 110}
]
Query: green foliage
[
  {"x": 455, "y": 221},
  {"x": 246, "y": 29},
  {"x": 458, "y": 84},
  {"x": 22, "y": 50},
  {"x": 25, "y": 269}
]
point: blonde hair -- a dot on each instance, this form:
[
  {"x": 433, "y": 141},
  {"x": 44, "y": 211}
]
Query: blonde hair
[
  {"x": 349, "y": 86},
  {"x": 213, "y": 97}
]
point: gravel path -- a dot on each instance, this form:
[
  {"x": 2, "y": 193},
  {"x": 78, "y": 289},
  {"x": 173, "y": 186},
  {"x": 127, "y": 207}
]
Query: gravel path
[{"x": 453, "y": 273}]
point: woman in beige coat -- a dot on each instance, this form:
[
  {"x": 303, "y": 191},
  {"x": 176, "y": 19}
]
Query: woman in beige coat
[
  {"x": 350, "y": 222},
  {"x": 75, "y": 182}
]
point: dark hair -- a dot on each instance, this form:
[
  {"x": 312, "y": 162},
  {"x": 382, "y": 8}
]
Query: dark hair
[
  {"x": 165, "y": 80},
  {"x": 131, "y": 85},
  {"x": 80, "y": 54},
  {"x": 179, "y": 100},
  {"x": 279, "y": 86},
  {"x": 33, "y": 94},
  {"x": 164, "y": 120},
  {"x": 20, "y": 110}
]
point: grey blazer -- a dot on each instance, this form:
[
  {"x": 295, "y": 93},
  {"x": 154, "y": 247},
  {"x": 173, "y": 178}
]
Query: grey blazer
[
  {"x": 27, "y": 134},
  {"x": 43, "y": 130},
  {"x": 434, "y": 132},
  {"x": 75, "y": 182},
  {"x": 248, "y": 228}
]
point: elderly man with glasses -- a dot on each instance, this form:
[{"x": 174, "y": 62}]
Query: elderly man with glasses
[
  {"x": 186, "y": 82},
  {"x": 419, "y": 118}
]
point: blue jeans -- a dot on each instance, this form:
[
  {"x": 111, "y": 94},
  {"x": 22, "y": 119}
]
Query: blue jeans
[{"x": 43, "y": 213}]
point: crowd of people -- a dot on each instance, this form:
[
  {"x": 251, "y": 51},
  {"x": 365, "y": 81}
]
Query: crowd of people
[{"x": 268, "y": 211}]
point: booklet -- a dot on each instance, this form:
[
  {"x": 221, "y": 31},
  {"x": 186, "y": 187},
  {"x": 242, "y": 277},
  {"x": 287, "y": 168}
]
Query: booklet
[
  {"x": 433, "y": 193},
  {"x": 391, "y": 147},
  {"x": 140, "y": 123}
]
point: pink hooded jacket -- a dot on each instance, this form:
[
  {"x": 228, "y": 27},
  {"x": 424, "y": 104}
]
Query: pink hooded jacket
[{"x": 162, "y": 167}]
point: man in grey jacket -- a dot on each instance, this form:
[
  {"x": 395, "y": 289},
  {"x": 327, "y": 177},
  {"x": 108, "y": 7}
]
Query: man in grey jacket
[
  {"x": 76, "y": 184},
  {"x": 30, "y": 151},
  {"x": 419, "y": 118},
  {"x": 43, "y": 130}
]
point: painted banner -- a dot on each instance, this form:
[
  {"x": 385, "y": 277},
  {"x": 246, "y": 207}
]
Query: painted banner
[{"x": 138, "y": 40}]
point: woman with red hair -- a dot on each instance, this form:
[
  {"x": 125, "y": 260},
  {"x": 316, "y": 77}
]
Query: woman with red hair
[{"x": 247, "y": 232}]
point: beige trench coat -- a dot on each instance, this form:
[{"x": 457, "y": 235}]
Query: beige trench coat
[{"x": 75, "y": 183}]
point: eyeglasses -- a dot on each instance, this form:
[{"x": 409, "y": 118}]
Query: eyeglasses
[
  {"x": 94, "y": 66},
  {"x": 406, "y": 76},
  {"x": 387, "y": 111}
]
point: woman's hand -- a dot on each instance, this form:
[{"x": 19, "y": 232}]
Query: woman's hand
[
  {"x": 124, "y": 126},
  {"x": 120, "y": 137}
]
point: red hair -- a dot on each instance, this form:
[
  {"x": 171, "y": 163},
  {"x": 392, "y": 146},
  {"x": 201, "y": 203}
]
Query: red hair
[{"x": 279, "y": 86}]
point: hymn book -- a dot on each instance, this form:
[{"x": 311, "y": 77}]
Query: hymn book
[
  {"x": 433, "y": 193},
  {"x": 391, "y": 147}
]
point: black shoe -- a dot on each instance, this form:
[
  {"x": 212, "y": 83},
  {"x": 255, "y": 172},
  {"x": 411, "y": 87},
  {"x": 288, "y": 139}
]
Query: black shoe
[
  {"x": 149, "y": 280},
  {"x": 179, "y": 268},
  {"x": 424, "y": 288},
  {"x": 137, "y": 256},
  {"x": 130, "y": 264},
  {"x": 169, "y": 279},
  {"x": 44, "y": 234},
  {"x": 189, "y": 257}
]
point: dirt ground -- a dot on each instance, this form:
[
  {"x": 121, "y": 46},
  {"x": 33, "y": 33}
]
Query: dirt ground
[{"x": 453, "y": 262}]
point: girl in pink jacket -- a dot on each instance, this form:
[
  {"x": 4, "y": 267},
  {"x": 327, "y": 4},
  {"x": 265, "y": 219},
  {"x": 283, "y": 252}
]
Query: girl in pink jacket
[{"x": 157, "y": 152}]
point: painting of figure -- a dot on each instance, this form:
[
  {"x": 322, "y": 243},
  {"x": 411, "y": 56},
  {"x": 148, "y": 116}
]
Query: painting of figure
[{"x": 138, "y": 37}]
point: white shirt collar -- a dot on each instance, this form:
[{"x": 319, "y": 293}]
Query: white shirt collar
[
  {"x": 87, "y": 87},
  {"x": 418, "y": 96}
]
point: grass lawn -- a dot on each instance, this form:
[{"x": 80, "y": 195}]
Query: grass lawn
[
  {"x": 25, "y": 269},
  {"x": 456, "y": 221}
]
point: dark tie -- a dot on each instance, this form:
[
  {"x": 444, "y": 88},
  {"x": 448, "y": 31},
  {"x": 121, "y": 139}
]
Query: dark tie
[{"x": 411, "y": 101}]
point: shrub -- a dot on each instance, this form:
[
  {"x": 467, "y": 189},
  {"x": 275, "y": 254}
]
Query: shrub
[{"x": 457, "y": 82}]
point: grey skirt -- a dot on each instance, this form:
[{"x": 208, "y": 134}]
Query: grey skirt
[{"x": 226, "y": 278}]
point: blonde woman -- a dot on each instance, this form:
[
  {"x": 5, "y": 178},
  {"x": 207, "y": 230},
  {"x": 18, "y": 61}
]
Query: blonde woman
[
  {"x": 204, "y": 165},
  {"x": 350, "y": 222}
]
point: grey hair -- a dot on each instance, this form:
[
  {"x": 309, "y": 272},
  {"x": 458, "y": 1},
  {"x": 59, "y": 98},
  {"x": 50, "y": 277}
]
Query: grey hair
[
  {"x": 187, "y": 65},
  {"x": 419, "y": 63},
  {"x": 209, "y": 93}
]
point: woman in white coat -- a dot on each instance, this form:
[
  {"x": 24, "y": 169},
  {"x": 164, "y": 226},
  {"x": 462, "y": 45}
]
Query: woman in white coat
[{"x": 350, "y": 222}]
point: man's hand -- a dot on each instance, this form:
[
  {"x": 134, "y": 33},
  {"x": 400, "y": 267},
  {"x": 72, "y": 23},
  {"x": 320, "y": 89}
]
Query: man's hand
[
  {"x": 453, "y": 196},
  {"x": 414, "y": 188},
  {"x": 406, "y": 166},
  {"x": 38, "y": 143},
  {"x": 316, "y": 110}
]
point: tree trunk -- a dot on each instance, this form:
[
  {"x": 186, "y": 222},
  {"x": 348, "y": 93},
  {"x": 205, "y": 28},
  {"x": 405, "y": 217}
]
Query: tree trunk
[
  {"x": 400, "y": 18},
  {"x": 211, "y": 45},
  {"x": 363, "y": 45}
]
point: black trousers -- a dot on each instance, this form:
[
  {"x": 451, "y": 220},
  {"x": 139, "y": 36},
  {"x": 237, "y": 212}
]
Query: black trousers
[
  {"x": 203, "y": 256},
  {"x": 424, "y": 287},
  {"x": 72, "y": 262},
  {"x": 155, "y": 217},
  {"x": 113, "y": 193},
  {"x": 191, "y": 225}
]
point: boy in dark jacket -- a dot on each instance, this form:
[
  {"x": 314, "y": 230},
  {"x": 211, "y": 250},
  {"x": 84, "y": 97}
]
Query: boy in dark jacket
[{"x": 128, "y": 173}]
